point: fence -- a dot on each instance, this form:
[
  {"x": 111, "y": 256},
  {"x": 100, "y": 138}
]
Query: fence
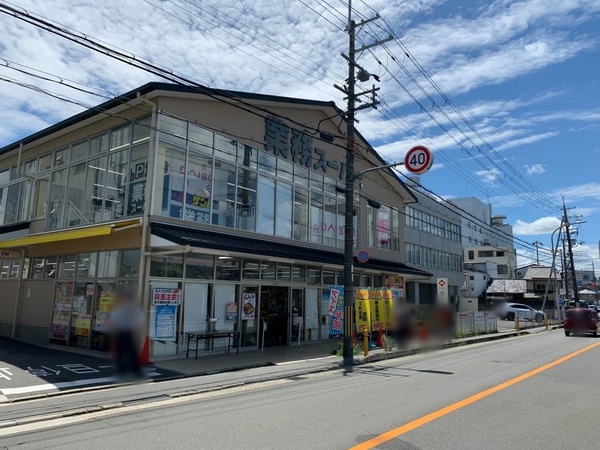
[{"x": 476, "y": 322}]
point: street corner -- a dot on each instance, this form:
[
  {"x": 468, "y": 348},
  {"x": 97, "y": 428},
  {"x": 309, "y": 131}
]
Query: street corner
[{"x": 27, "y": 371}]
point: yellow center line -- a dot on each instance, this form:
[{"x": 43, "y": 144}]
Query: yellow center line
[{"x": 389, "y": 435}]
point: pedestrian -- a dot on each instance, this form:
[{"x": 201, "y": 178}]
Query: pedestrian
[{"x": 125, "y": 323}]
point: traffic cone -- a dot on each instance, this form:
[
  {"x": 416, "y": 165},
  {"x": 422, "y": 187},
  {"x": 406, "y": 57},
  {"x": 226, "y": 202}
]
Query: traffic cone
[{"x": 145, "y": 355}]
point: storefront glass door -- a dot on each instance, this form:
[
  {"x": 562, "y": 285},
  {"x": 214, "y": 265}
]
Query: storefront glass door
[
  {"x": 275, "y": 313},
  {"x": 250, "y": 320},
  {"x": 297, "y": 322},
  {"x": 196, "y": 297}
]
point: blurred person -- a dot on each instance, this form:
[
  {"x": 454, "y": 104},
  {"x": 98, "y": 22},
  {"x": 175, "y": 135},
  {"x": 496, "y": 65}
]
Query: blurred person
[
  {"x": 444, "y": 322},
  {"x": 405, "y": 324},
  {"x": 125, "y": 323}
]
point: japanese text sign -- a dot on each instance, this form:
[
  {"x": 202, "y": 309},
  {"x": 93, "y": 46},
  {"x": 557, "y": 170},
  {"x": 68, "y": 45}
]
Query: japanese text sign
[{"x": 166, "y": 296}]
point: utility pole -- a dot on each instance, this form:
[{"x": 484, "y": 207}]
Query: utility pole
[
  {"x": 595, "y": 280},
  {"x": 351, "y": 96},
  {"x": 537, "y": 252},
  {"x": 572, "y": 264},
  {"x": 565, "y": 280}
]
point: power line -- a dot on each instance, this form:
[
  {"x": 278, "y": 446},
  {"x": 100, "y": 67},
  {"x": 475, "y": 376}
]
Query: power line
[
  {"x": 228, "y": 97},
  {"x": 540, "y": 194},
  {"x": 300, "y": 68}
]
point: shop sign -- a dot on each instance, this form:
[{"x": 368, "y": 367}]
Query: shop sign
[
  {"x": 82, "y": 325},
  {"x": 59, "y": 331},
  {"x": 166, "y": 296},
  {"x": 336, "y": 310},
  {"x": 248, "y": 306},
  {"x": 137, "y": 187},
  {"x": 394, "y": 281},
  {"x": 363, "y": 310},
  {"x": 101, "y": 322},
  {"x": 107, "y": 301},
  {"x": 9, "y": 254},
  {"x": 165, "y": 321},
  {"x": 442, "y": 290},
  {"x": 231, "y": 312},
  {"x": 286, "y": 142}
]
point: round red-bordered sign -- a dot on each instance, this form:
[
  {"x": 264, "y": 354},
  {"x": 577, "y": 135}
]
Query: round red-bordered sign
[
  {"x": 363, "y": 256},
  {"x": 418, "y": 160}
]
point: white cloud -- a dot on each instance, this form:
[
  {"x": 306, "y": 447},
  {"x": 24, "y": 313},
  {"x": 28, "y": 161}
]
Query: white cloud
[
  {"x": 489, "y": 176},
  {"x": 526, "y": 140},
  {"x": 545, "y": 225},
  {"x": 535, "y": 169}
]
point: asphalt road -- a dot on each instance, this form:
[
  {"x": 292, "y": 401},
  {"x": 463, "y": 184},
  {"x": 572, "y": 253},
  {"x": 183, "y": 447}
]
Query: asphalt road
[
  {"x": 27, "y": 370},
  {"x": 528, "y": 392}
]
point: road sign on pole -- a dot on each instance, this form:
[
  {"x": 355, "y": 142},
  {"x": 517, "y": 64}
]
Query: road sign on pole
[{"x": 418, "y": 160}]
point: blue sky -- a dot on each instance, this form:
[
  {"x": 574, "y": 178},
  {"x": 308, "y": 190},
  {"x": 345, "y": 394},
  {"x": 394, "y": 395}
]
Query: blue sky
[{"x": 525, "y": 74}]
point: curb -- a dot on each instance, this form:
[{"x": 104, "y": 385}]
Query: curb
[{"x": 380, "y": 356}]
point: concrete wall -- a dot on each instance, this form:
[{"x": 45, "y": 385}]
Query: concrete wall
[{"x": 8, "y": 301}]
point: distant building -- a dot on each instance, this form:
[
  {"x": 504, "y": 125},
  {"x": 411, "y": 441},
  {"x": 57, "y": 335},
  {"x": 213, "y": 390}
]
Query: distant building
[
  {"x": 432, "y": 234},
  {"x": 537, "y": 278},
  {"x": 486, "y": 237},
  {"x": 504, "y": 259}
]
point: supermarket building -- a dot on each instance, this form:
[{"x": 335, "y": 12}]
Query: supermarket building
[{"x": 222, "y": 209}]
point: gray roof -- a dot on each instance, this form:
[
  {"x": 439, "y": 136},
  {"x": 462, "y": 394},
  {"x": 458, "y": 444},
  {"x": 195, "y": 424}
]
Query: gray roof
[
  {"x": 508, "y": 287},
  {"x": 537, "y": 273}
]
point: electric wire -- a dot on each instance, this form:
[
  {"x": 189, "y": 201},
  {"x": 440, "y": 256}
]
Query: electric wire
[
  {"x": 223, "y": 96},
  {"x": 301, "y": 69},
  {"x": 447, "y": 101}
]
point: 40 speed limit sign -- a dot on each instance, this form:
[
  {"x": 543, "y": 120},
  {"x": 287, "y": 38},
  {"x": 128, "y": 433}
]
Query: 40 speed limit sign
[{"x": 418, "y": 160}]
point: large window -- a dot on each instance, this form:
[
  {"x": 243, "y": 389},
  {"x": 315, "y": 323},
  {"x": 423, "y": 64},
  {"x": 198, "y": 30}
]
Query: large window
[
  {"x": 170, "y": 181},
  {"x": 224, "y": 193},
  {"x": 432, "y": 258},
  {"x": 266, "y": 205},
  {"x": 431, "y": 224},
  {"x": 283, "y": 220},
  {"x": 198, "y": 176}
]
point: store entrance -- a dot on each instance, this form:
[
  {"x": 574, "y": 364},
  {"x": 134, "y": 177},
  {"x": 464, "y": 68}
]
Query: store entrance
[{"x": 274, "y": 312}]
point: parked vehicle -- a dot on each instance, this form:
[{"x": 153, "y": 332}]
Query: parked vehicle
[
  {"x": 581, "y": 320},
  {"x": 509, "y": 311}
]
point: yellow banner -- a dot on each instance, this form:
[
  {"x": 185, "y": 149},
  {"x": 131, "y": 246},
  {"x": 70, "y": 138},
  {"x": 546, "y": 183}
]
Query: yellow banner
[
  {"x": 377, "y": 319},
  {"x": 363, "y": 315},
  {"x": 388, "y": 310}
]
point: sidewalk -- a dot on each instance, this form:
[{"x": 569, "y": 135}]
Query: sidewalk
[
  {"x": 320, "y": 355},
  {"x": 211, "y": 364},
  {"x": 28, "y": 372}
]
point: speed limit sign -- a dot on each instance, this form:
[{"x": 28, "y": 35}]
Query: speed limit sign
[{"x": 418, "y": 160}]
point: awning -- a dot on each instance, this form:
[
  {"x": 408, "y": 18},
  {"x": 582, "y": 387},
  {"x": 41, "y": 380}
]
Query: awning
[
  {"x": 259, "y": 247},
  {"x": 70, "y": 234}
]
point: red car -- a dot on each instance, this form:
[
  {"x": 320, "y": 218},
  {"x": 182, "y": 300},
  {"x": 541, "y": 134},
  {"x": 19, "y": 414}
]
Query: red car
[{"x": 581, "y": 320}]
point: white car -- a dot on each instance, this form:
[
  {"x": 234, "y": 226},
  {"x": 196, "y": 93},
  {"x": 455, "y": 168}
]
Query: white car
[{"x": 509, "y": 311}]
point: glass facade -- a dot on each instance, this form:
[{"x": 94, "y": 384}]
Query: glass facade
[
  {"x": 84, "y": 293},
  {"x": 200, "y": 177},
  {"x": 383, "y": 227},
  {"x": 94, "y": 180},
  {"x": 432, "y": 258},
  {"x": 431, "y": 224},
  {"x": 229, "y": 184}
]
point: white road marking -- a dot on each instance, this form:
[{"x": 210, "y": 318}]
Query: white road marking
[
  {"x": 64, "y": 385},
  {"x": 304, "y": 360}
]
